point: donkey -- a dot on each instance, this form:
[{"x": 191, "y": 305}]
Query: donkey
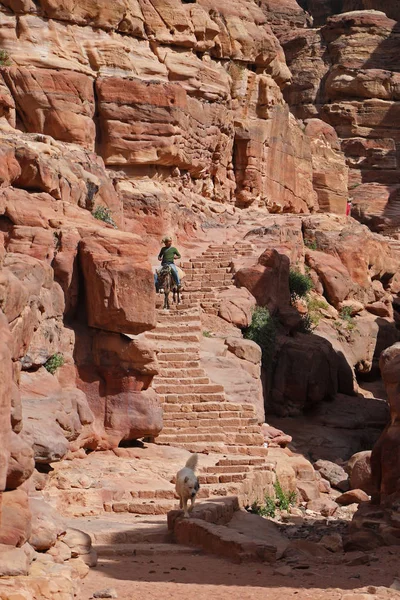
[{"x": 167, "y": 282}]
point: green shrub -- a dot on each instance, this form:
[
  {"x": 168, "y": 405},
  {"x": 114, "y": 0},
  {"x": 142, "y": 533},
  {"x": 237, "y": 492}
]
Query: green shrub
[
  {"x": 283, "y": 501},
  {"x": 306, "y": 325},
  {"x": 299, "y": 284},
  {"x": 207, "y": 334},
  {"x": 54, "y": 362},
  {"x": 345, "y": 313},
  {"x": 4, "y": 59},
  {"x": 314, "y": 307},
  {"x": 311, "y": 244},
  {"x": 262, "y": 331},
  {"x": 102, "y": 213}
]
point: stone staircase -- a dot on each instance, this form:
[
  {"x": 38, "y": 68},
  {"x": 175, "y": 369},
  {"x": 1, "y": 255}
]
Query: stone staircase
[
  {"x": 210, "y": 273},
  {"x": 197, "y": 416}
]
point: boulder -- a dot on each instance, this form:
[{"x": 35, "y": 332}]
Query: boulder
[
  {"x": 21, "y": 463},
  {"x": 352, "y": 497},
  {"x": 334, "y": 473},
  {"x": 47, "y": 525},
  {"x": 15, "y": 526},
  {"x": 119, "y": 283},
  {"x": 13, "y": 561},
  {"x": 268, "y": 280},
  {"x": 236, "y": 306},
  {"x": 359, "y": 469},
  {"x": 305, "y": 374},
  {"x": 244, "y": 349},
  {"x": 324, "y": 506}
]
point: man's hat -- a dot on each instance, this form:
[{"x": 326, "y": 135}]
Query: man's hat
[{"x": 167, "y": 238}]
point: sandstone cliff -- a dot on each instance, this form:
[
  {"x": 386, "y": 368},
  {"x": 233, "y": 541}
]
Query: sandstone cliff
[{"x": 122, "y": 122}]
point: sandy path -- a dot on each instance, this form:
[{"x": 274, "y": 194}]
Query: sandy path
[{"x": 201, "y": 577}]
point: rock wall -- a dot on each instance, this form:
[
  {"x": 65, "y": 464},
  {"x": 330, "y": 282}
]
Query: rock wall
[
  {"x": 182, "y": 101},
  {"x": 346, "y": 73}
]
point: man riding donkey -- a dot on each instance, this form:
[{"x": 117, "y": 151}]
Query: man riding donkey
[{"x": 167, "y": 257}]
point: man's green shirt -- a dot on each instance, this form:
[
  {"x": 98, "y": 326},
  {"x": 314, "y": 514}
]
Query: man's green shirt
[{"x": 168, "y": 254}]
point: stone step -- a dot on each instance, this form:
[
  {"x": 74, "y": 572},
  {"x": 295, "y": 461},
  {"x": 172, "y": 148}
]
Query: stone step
[
  {"x": 174, "y": 372},
  {"x": 192, "y": 420},
  {"x": 174, "y": 308},
  {"x": 175, "y": 348},
  {"x": 218, "y": 447},
  {"x": 220, "y": 470},
  {"x": 175, "y": 381},
  {"x": 178, "y": 328},
  {"x": 171, "y": 415},
  {"x": 173, "y": 337},
  {"x": 165, "y": 317},
  {"x": 118, "y": 529},
  {"x": 198, "y": 401},
  {"x": 178, "y": 438},
  {"x": 225, "y": 478},
  {"x": 166, "y": 357},
  {"x": 247, "y": 439},
  {"x": 172, "y": 365},
  {"x": 227, "y": 462},
  {"x": 143, "y": 507},
  {"x": 207, "y": 406},
  {"x": 199, "y": 430},
  {"x": 212, "y": 388}
]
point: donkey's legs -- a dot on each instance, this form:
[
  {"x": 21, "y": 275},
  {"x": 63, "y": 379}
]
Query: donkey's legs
[{"x": 166, "y": 299}]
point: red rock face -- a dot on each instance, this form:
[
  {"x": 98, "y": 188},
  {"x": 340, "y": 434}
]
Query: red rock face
[
  {"x": 5, "y": 400},
  {"x": 385, "y": 454},
  {"x": 55, "y": 103},
  {"x": 113, "y": 266},
  {"x": 346, "y": 73}
]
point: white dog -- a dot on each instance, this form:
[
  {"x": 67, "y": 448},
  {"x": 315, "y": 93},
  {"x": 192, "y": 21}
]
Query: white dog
[{"x": 187, "y": 484}]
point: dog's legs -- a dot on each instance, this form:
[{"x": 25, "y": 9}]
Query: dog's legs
[
  {"x": 192, "y": 500},
  {"x": 180, "y": 503},
  {"x": 185, "y": 508}
]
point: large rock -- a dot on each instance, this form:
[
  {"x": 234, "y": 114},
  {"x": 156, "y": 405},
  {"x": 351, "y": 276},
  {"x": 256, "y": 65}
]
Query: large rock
[
  {"x": 21, "y": 463},
  {"x": 268, "y": 280},
  {"x": 359, "y": 469},
  {"x": 15, "y": 526},
  {"x": 301, "y": 378},
  {"x": 47, "y": 525},
  {"x": 236, "y": 306},
  {"x": 13, "y": 561},
  {"x": 386, "y": 452},
  {"x": 119, "y": 283}
]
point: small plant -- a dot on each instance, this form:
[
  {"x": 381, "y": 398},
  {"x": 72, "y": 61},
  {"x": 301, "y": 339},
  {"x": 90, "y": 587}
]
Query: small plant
[
  {"x": 283, "y": 501},
  {"x": 102, "y": 213},
  {"x": 345, "y": 313},
  {"x": 306, "y": 325},
  {"x": 346, "y": 316},
  {"x": 314, "y": 307},
  {"x": 299, "y": 284},
  {"x": 4, "y": 59},
  {"x": 311, "y": 244},
  {"x": 207, "y": 334},
  {"x": 262, "y": 331},
  {"x": 54, "y": 362}
]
